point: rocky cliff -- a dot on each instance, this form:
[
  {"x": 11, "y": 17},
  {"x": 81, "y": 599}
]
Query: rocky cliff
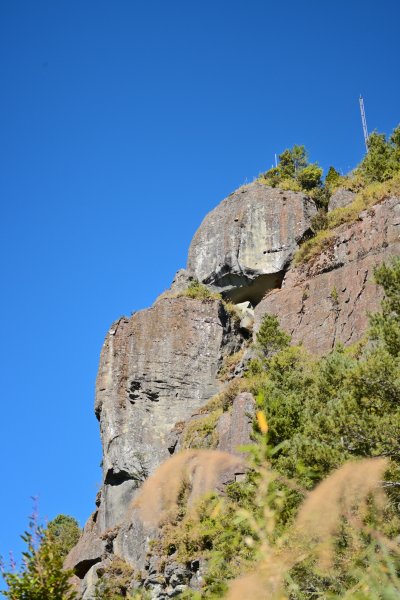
[
  {"x": 327, "y": 300},
  {"x": 161, "y": 366}
]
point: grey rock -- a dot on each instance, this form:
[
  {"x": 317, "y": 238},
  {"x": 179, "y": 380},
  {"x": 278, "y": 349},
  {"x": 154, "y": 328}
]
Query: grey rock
[
  {"x": 340, "y": 199},
  {"x": 90, "y": 581},
  {"x": 243, "y": 246},
  {"x": 155, "y": 369},
  {"x": 246, "y": 311},
  {"x": 235, "y": 427},
  {"x": 88, "y": 551},
  {"x": 180, "y": 283}
]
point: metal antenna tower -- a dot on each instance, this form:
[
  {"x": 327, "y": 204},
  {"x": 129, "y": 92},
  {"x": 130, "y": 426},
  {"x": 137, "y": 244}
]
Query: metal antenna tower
[{"x": 364, "y": 122}]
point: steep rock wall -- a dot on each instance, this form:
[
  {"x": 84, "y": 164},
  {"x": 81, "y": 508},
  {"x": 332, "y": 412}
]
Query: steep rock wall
[
  {"x": 327, "y": 300},
  {"x": 156, "y": 368}
]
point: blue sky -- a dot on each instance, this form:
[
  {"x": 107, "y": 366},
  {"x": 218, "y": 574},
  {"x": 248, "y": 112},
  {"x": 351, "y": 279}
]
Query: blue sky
[{"x": 121, "y": 125}]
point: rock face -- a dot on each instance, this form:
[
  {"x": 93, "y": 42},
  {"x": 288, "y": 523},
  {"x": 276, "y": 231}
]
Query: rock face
[
  {"x": 156, "y": 369},
  {"x": 340, "y": 199},
  {"x": 327, "y": 300},
  {"x": 159, "y": 367},
  {"x": 234, "y": 428},
  {"x": 244, "y": 245}
]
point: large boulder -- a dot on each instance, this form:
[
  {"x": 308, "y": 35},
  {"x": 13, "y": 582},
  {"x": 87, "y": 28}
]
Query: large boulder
[{"x": 244, "y": 245}]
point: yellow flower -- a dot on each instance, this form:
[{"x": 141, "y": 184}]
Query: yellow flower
[{"x": 262, "y": 421}]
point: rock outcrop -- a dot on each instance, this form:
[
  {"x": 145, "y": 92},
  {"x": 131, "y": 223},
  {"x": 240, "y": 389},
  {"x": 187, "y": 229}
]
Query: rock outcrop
[
  {"x": 234, "y": 427},
  {"x": 160, "y": 367},
  {"x": 327, "y": 300},
  {"x": 244, "y": 245},
  {"x": 340, "y": 199},
  {"x": 156, "y": 368}
]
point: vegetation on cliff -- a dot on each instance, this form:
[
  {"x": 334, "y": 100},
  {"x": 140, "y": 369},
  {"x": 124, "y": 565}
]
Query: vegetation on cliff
[
  {"x": 376, "y": 177},
  {"x": 320, "y": 414},
  {"x": 41, "y": 575},
  {"x": 294, "y": 172}
]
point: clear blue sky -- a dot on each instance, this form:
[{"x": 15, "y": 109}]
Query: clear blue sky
[{"x": 122, "y": 124}]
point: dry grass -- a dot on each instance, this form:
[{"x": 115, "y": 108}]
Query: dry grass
[
  {"x": 287, "y": 184},
  {"x": 189, "y": 475},
  {"x": 342, "y": 498},
  {"x": 312, "y": 248},
  {"x": 260, "y": 586},
  {"x": 233, "y": 311},
  {"x": 198, "y": 291}
]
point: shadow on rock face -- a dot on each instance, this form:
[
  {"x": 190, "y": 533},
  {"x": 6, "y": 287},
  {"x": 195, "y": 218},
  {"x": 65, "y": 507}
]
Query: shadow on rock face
[{"x": 244, "y": 288}]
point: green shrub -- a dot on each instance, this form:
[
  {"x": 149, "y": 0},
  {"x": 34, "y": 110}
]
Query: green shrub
[
  {"x": 319, "y": 221},
  {"x": 381, "y": 161},
  {"x": 41, "y": 575},
  {"x": 310, "y": 177},
  {"x": 64, "y": 533},
  {"x": 294, "y": 172},
  {"x": 333, "y": 179},
  {"x": 270, "y": 338}
]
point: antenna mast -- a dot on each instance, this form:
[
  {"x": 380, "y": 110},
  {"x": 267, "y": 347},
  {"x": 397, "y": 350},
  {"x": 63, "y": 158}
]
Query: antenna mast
[{"x": 364, "y": 122}]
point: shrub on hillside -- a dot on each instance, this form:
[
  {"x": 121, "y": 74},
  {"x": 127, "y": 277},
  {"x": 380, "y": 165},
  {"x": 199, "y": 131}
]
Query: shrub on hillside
[
  {"x": 294, "y": 172},
  {"x": 319, "y": 413},
  {"x": 199, "y": 291},
  {"x": 41, "y": 575}
]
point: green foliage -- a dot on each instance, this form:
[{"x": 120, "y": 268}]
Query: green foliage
[
  {"x": 210, "y": 532},
  {"x": 319, "y": 221},
  {"x": 376, "y": 178},
  {"x": 270, "y": 338},
  {"x": 41, "y": 575},
  {"x": 321, "y": 195},
  {"x": 294, "y": 172},
  {"x": 63, "y": 532},
  {"x": 292, "y": 161},
  {"x": 385, "y": 326},
  {"x": 339, "y": 406},
  {"x": 382, "y": 159},
  {"x": 320, "y": 414},
  {"x": 333, "y": 178},
  {"x": 310, "y": 177}
]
